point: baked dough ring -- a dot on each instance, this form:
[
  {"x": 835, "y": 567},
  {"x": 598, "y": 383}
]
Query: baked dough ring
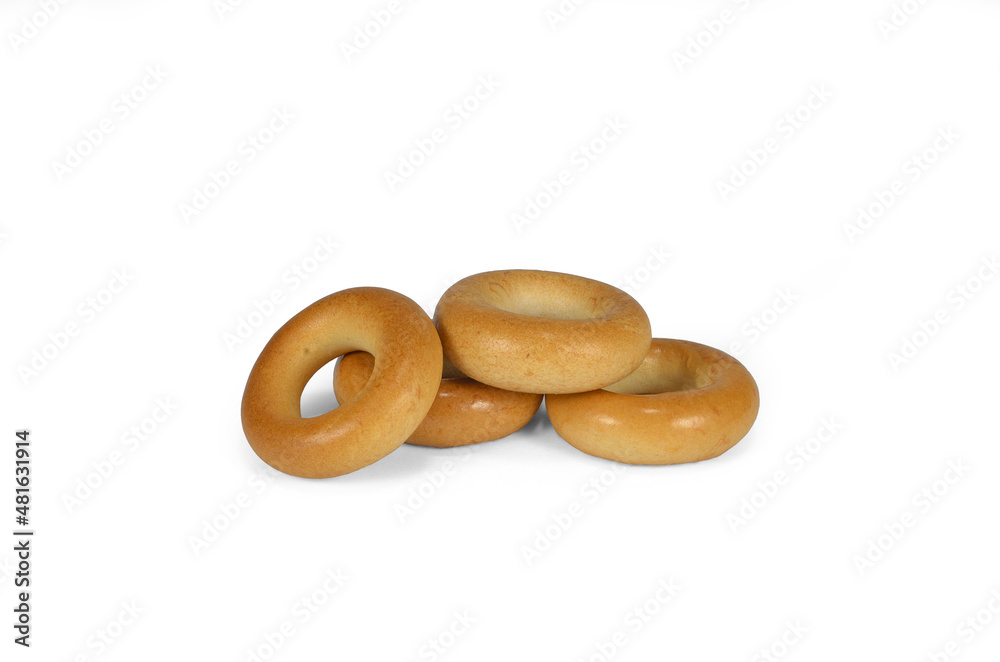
[
  {"x": 686, "y": 402},
  {"x": 406, "y": 376},
  {"x": 541, "y": 332},
  {"x": 464, "y": 412}
]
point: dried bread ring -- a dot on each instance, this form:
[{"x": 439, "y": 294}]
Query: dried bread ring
[
  {"x": 464, "y": 412},
  {"x": 541, "y": 331},
  {"x": 404, "y": 382},
  {"x": 686, "y": 402}
]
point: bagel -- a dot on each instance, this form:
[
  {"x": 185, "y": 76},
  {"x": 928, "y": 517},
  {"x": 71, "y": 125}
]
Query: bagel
[
  {"x": 405, "y": 379},
  {"x": 464, "y": 411},
  {"x": 541, "y": 331},
  {"x": 686, "y": 402}
]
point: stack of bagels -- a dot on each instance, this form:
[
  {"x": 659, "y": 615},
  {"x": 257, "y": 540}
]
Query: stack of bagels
[{"x": 498, "y": 343}]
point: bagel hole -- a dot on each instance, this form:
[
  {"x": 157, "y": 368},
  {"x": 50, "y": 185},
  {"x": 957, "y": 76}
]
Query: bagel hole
[
  {"x": 654, "y": 384},
  {"x": 664, "y": 376},
  {"x": 551, "y": 307},
  {"x": 556, "y": 303},
  {"x": 317, "y": 397}
]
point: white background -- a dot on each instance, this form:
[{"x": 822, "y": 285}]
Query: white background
[{"x": 798, "y": 556}]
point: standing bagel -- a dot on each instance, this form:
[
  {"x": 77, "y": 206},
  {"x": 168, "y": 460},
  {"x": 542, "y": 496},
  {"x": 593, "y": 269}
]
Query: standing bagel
[
  {"x": 464, "y": 411},
  {"x": 686, "y": 402},
  {"x": 541, "y": 331},
  {"x": 404, "y": 381}
]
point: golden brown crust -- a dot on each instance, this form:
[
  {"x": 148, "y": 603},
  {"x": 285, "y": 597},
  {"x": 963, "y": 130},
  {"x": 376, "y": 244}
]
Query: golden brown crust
[
  {"x": 687, "y": 402},
  {"x": 407, "y": 374},
  {"x": 464, "y": 412},
  {"x": 541, "y": 331}
]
